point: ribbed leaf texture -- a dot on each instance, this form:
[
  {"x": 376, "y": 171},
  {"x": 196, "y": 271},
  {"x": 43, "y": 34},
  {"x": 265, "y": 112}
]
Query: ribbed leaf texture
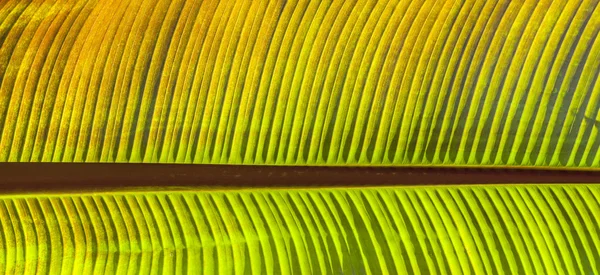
[
  {"x": 311, "y": 82},
  {"x": 424, "y": 230}
]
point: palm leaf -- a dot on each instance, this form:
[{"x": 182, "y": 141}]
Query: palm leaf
[
  {"x": 327, "y": 82},
  {"x": 518, "y": 229}
]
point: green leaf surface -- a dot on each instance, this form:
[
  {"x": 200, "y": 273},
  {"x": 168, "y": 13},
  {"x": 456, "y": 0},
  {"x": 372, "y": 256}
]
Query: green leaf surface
[
  {"x": 488, "y": 229},
  {"x": 301, "y": 82}
]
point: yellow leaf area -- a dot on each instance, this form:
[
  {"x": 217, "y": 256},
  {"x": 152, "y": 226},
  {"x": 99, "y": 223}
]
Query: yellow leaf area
[
  {"x": 301, "y": 82},
  {"x": 491, "y": 229}
]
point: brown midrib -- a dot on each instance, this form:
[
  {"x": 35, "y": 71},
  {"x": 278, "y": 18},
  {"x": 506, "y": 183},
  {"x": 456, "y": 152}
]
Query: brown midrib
[{"x": 81, "y": 177}]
